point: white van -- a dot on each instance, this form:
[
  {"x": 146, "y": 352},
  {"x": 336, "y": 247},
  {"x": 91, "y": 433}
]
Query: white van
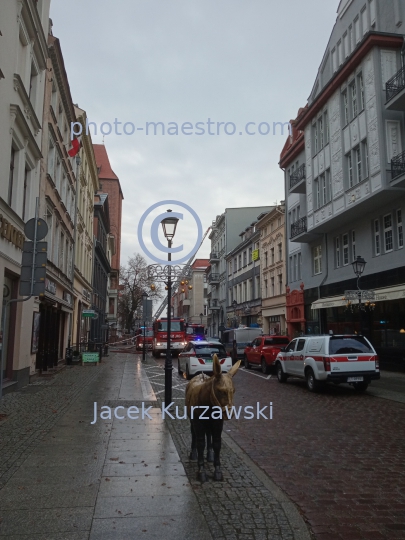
[
  {"x": 237, "y": 339},
  {"x": 332, "y": 358}
]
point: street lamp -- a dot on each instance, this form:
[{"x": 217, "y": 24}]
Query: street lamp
[
  {"x": 169, "y": 225},
  {"x": 358, "y": 268},
  {"x": 234, "y": 304},
  {"x": 145, "y": 296}
]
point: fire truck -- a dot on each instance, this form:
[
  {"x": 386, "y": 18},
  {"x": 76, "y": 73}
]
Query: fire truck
[
  {"x": 177, "y": 336},
  {"x": 144, "y": 334},
  {"x": 195, "y": 332}
]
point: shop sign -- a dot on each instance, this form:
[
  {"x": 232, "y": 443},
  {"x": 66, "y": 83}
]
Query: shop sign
[
  {"x": 255, "y": 255},
  {"x": 50, "y": 286},
  {"x": 10, "y": 233},
  {"x": 90, "y": 313},
  {"x": 90, "y": 357},
  {"x": 67, "y": 297}
]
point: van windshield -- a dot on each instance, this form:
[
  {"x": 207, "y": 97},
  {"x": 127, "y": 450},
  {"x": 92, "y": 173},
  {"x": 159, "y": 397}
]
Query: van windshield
[{"x": 349, "y": 345}]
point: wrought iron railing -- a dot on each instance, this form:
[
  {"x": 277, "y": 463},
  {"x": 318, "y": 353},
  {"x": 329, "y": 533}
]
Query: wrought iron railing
[
  {"x": 213, "y": 277},
  {"x": 395, "y": 84},
  {"x": 214, "y": 304},
  {"x": 297, "y": 176},
  {"x": 397, "y": 165},
  {"x": 214, "y": 256},
  {"x": 299, "y": 227}
]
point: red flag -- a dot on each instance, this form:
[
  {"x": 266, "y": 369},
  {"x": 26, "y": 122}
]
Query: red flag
[{"x": 76, "y": 145}]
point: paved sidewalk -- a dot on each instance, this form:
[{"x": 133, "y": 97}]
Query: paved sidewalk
[{"x": 116, "y": 479}]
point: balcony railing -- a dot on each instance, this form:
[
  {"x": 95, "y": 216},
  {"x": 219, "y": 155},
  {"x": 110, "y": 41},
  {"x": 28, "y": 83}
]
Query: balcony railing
[
  {"x": 397, "y": 165},
  {"x": 299, "y": 227},
  {"x": 213, "y": 278},
  {"x": 297, "y": 176},
  {"x": 214, "y": 305},
  {"x": 395, "y": 84},
  {"x": 214, "y": 256}
]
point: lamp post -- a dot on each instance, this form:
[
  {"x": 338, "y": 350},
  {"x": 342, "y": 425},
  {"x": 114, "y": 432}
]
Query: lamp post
[
  {"x": 145, "y": 296},
  {"x": 169, "y": 229},
  {"x": 234, "y": 304},
  {"x": 358, "y": 268}
]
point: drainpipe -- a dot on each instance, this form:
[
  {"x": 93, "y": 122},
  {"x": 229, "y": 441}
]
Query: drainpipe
[{"x": 325, "y": 278}]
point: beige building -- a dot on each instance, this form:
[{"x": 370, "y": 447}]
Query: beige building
[
  {"x": 23, "y": 62},
  {"x": 87, "y": 186},
  {"x": 191, "y": 304},
  {"x": 273, "y": 270},
  {"x": 57, "y": 207}
]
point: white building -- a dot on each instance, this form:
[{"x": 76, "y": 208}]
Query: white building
[{"x": 23, "y": 56}]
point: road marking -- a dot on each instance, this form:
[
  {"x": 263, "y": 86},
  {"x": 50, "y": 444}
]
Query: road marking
[{"x": 256, "y": 374}]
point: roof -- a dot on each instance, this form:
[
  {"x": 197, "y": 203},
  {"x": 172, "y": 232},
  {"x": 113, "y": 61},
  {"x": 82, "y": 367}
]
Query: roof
[
  {"x": 200, "y": 263},
  {"x": 103, "y": 163}
]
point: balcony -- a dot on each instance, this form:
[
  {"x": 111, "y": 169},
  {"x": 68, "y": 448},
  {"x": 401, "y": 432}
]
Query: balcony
[
  {"x": 297, "y": 180},
  {"x": 398, "y": 170},
  {"x": 298, "y": 227},
  {"x": 213, "y": 279},
  {"x": 214, "y": 257},
  {"x": 395, "y": 91},
  {"x": 214, "y": 305}
]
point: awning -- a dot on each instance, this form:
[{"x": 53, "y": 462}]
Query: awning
[{"x": 387, "y": 293}]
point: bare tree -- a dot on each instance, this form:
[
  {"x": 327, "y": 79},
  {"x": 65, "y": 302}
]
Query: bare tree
[{"x": 133, "y": 282}]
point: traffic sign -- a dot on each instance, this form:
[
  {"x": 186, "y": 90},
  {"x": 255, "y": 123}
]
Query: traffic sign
[
  {"x": 90, "y": 313},
  {"x": 42, "y": 229}
]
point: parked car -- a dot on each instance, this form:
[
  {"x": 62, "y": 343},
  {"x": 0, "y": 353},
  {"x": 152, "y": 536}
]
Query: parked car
[
  {"x": 263, "y": 351},
  {"x": 236, "y": 339},
  {"x": 197, "y": 357},
  {"x": 332, "y": 358}
]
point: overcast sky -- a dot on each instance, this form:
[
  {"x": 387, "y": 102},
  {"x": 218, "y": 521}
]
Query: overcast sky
[{"x": 179, "y": 61}]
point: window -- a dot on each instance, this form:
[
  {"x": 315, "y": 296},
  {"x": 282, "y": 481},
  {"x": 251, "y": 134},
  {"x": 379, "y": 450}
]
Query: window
[
  {"x": 290, "y": 266},
  {"x": 272, "y": 255},
  {"x": 329, "y": 184},
  {"x": 317, "y": 259},
  {"x": 244, "y": 258},
  {"x": 315, "y": 128},
  {"x": 400, "y": 231},
  {"x": 357, "y": 30},
  {"x": 235, "y": 264},
  {"x": 320, "y": 129},
  {"x": 11, "y": 177},
  {"x": 266, "y": 262},
  {"x": 229, "y": 268},
  {"x": 250, "y": 255},
  {"x": 345, "y": 108},
  {"x": 345, "y": 249},
  {"x": 62, "y": 252},
  {"x": 324, "y": 195},
  {"x": 280, "y": 284},
  {"x": 279, "y": 219},
  {"x": 340, "y": 53},
  {"x": 377, "y": 237},
  {"x": 365, "y": 156},
  {"x": 26, "y": 173},
  {"x": 346, "y": 44},
  {"x": 318, "y": 193},
  {"x": 266, "y": 285},
  {"x": 272, "y": 286},
  {"x": 361, "y": 91},
  {"x": 337, "y": 252},
  {"x": 353, "y": 245},
  {"x": 334, "y": 62},
  {"x": 358, "y": 164},
  {"x": 364, "y": 21},
  {"x": 353, "y": 93},
  {"x": 240, "y": 262},
  {"x": 350, "y": 39},
  {"x": 326, "y": 121},
  {"x": 299, "y": 265},
  {"x": 280, "y": 251},
  {"x": 350, "y": 169},
  {"x": 388, "y": 232}
]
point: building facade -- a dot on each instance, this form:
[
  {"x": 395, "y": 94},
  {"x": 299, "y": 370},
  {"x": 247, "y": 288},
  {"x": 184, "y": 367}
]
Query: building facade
[
  {"x": 109, "y": 183},
  {"x": 57, "y": 206},
  {"x": 272, "y": 270},
  {"x": 244, "y": 289},
  {"x": 224, "y": 238},
  {"x": 23, "y": 61},
  {"x": 87, "y": 186},
  {"x": 191, "y": 304},
  {"x": 347, "y": 179}
]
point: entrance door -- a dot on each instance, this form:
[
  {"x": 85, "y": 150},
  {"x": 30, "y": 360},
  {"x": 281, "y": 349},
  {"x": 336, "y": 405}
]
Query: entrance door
[{"x": 7, "y": 341}]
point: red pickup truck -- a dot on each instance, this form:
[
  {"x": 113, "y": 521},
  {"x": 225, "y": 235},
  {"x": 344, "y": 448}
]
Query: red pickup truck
[{"x": 263, "y": 351}]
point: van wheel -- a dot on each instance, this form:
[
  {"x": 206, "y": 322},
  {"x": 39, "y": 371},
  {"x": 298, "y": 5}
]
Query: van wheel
[
  {"x": 312, "y": 384},
  {"x": 360, "y": 386},
  {"x": 265, "y": 367},
  {"x": 246, "y": 362},
  {"x": 281, "y": 376}
]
